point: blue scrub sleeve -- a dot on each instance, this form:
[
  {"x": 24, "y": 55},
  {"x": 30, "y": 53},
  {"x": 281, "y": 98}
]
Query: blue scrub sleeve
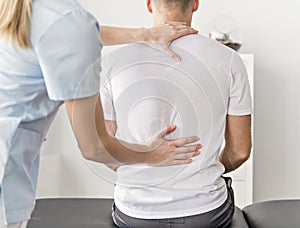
[{"x": 69, "y": 55}]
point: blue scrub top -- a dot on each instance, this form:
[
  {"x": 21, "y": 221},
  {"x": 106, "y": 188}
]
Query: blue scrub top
[{"x": 63, "y": 64}]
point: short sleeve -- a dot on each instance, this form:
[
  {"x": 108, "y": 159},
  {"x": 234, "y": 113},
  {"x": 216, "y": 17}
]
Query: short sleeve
[
  {"x": 106, "y": 92},
  {"x": 240, "y": 101},
  {"x": 69, "y": 55}
]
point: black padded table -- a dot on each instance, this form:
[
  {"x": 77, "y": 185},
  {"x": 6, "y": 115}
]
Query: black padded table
[
  {"x": 238, "y": 220},
  {"x": 85, "y": 213},
  {"x": 72, "y": 213},
  {"x": 273, "y": 214}
]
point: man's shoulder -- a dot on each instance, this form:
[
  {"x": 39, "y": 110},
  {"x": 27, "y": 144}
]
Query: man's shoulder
[
  {"x": 134, "y": 53},
  {"x": 203, "y": 43},
  {"x": 193, "y": 38},
  {"x": 187, "y": 47}
]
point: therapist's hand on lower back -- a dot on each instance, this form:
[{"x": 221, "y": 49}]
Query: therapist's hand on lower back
[
  {"x": 87, "y": 120},
  {"x": 157, "y": 151},
  {"x": 172, "y": 152}
]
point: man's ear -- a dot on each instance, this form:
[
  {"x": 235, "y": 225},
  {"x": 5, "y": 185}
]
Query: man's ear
[
  {"x": 149, "y": 6},
  {"x": 196, "y": 5}
]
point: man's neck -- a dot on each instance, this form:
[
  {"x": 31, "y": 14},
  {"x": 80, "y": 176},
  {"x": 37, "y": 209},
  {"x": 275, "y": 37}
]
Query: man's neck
[{"x": 173, "y": 17}]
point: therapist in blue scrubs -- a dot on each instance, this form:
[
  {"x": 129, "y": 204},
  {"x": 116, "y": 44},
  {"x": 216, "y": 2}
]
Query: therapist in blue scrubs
[{"x": 49, "y": 55}]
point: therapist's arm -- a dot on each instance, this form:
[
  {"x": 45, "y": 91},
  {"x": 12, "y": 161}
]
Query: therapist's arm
[
  {"x": 111, "y": 127},
  {"x": 158, "y": 37},
  {"x": 86, "y": 117},
  {"x": 238, "y": 142}
]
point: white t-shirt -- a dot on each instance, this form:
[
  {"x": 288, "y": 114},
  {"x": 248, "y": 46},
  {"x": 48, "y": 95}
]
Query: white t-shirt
[{"x": 144, "y": 91}]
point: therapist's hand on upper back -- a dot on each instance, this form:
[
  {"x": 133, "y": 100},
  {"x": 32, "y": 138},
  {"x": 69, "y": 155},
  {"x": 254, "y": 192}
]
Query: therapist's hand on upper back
[{"x": 161, "y": 36}]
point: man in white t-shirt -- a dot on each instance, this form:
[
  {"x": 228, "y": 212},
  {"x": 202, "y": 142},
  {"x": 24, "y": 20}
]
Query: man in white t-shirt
[{"x": 206, "y": 94}]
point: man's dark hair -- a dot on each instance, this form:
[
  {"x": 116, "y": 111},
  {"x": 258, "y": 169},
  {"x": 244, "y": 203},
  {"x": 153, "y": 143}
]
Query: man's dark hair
[{"x": 184, "y": 4}]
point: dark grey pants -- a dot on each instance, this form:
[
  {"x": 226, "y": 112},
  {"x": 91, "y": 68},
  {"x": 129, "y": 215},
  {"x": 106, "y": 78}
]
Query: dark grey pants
[{"x": 218, "y": 218}]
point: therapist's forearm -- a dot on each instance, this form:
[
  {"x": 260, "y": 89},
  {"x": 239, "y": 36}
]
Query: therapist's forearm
[
  {"x": 93, "y": 140},
  {"x": 111, "y": 127},
  {"x": 114, "y": 35},
  {"x": 158, "y": 37},
  {"x": 121, "y": 151},
  {"x": 86, "y": 117},
  {"x": 162, "y": 34}
]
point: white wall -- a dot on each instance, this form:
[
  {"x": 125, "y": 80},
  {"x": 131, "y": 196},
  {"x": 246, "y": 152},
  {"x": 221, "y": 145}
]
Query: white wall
[
  {"x": 269, "y": 30},
  {"x": 64, "y": 173}
]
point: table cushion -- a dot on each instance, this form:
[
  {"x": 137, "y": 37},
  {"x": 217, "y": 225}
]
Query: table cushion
[
  {"x": 72, "y": 213},
  {"x": 86, "y": 213},
  {"x": 238, "y": 220},
  {"x": 273, "y": 214}
]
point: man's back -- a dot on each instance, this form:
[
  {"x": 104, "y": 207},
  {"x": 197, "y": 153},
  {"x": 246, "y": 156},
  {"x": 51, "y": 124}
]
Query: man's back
[{"x": 147, "y": 91}]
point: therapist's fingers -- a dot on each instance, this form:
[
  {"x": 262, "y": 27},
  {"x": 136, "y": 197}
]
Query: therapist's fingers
[
  {"x": 170, "y": 152},
  {"x": 174, "y": 30},
  {"x": 184, "y": 141},
  {"x": 186, "y": 156},
  {"x": 180, "y": 162},
  {"x": 172, "y": 54},
  {"x": 180, "y": 159},
  {"x": 183, "y": 30},
  {"x": 183, "y": 150},
  {"x": 175, "y": 23},
  {"x": 160, "y": 37},
  {"x": 182, "y": 155},
  {"x": 164, "y": 47},
  {"x": 166, "y": 131}
]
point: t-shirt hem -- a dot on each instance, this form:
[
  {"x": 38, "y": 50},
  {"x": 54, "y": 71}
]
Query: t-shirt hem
[
  {"x": 170, "y": 214},
  {"x": 240, "y": 112},
  {"x": 109, "y": 117}
]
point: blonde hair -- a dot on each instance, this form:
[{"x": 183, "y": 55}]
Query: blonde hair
[{"x": 15, "y": 21}]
